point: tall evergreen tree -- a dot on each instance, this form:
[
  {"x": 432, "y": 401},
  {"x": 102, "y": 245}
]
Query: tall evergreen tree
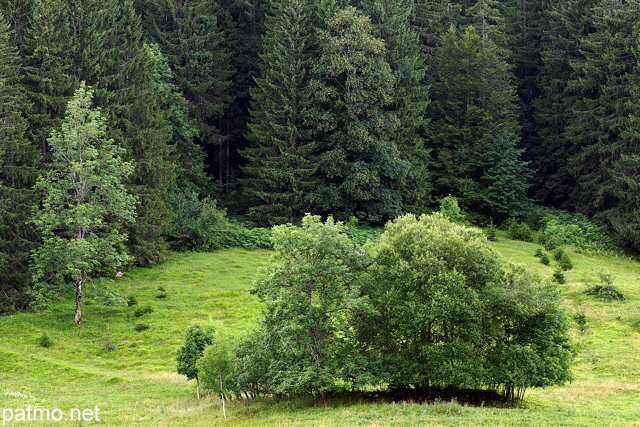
[
  {"x": 280, "y": 157},
  {"x": 17, "y": 14},
  {"x": 100, "y": 42},
  {"x": 605, "y": 102},
  {"x": 567, "y": 22},
  {"x": 473, "y": 99},
  {"x": 19, "y": 162},
  {"x": 507, "y": 181},
  {"x": 410, "y": 96},
  {"x": 360, "y": 168},
  {"x": 191, "y": 37}
]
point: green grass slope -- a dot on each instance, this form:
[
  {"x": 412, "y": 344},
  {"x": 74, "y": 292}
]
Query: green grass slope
[{"x": 130, "y": 375}]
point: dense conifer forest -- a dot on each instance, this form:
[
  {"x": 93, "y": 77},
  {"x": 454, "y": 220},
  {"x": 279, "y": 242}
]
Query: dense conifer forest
[{"x": 266, "y": 110}]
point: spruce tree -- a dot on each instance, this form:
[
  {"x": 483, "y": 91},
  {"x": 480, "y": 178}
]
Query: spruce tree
[
  {"x": 360, "y": 170},
  {"x": 508, "y": 180},
  {"x": 19, "y": 162},
  {"x": 281, "y": 155},
  {"x": 473, "y": 100},
  {"x": 100, "y": 42},
  {"x": 567, "y": 21},
  {"x": 410, "y": 96},
  {"x": 604, "y": 105},
  {"x": 17, "y": 14}
]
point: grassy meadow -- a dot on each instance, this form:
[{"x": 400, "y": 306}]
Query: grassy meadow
[{"x": 122, "y": 360}]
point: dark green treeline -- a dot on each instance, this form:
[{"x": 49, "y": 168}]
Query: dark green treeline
[{"x": 363, "y": 108}]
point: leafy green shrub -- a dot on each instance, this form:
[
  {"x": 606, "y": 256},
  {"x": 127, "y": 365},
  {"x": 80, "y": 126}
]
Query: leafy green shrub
[
  {"x": 141, "y": 311},
  {"x": 199, "y": 224},
  {"x": 575, "y": 229},
  {"x": 108, "y": 344},
  {"x": 434, "y": 285},
  {"x": 196, "y": 339},
  {"x": 132, "y": 300},
  {"x": 538, "y": 253},
  {"x": 162, "y": 293},
  {"x": 605, "y": 292},
  {"x": 548, "y": 242},
  {"x": 239, "y": 235},
  {"x": 305, "y": 341},
  {"x": 520, "y": 231},
  {"x": 581, "y": 320},
  {"x": 44, "y": 341},
  {"x": 492, "y": 233},
  {"x": 361, "y": 234},
  {"x": 450, "y": 209},
  {"x": 140, "y": 327}
]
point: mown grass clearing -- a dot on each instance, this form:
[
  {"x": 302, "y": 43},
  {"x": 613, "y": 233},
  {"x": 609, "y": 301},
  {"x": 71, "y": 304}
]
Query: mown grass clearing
[{"x": 135, "y": 382}]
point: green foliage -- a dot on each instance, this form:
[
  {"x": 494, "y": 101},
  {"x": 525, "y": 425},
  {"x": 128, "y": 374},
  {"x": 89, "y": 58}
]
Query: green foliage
[
  {"x": 472, "y": 101},
  {"x": 544, "y": 259},
  {"x": 360, "y": 169},
  {"x": 217, "y": 368},
  {"x": 575, "y": 229},
  {"x": 605, "y": 292},
  {"x": 508, "y": 180},
  {"x": 305, "y": 340},
  {"x": 85, "y": 206},
  {"x": 558, "y": 254},
  {"x": 141, "y": 327},
  {"x": 44, "y": 341},
  {"x": 142, "y": 310},
  {"x": 450, "y": 209},
  {"x": 19, "y": 166},
  {"x": 558, "y": 276},
  {"x": 199, "y": 224},
  {"x": 565, "y": 262},
  {"x": 196, "y": 339},
  {"x": 539, "y": 253},
  {"x": 448, "y": 313},
  {"x": 519, "y": 230},
  {"x": 281, "y": 157}
]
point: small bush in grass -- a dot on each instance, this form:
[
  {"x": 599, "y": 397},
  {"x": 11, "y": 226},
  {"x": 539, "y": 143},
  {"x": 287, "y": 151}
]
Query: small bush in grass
[
  {"x": 141, "y": 311},
  {"x": 605, "y": 292},
  {"x": 492, "y": 234},
  {"x": 44, "y": 341},
  {"x": 520, "y": 231},
  {"x": 548, "y": 242},
  {"x": 545, "y": 259},
  {"x": 565, "y": 262},
  {"x": 162, "y": 293},
  {"x": 140, "y": 327},
  {"x": 132, "y": 300},
  {"x": 108, "y": 345},
  {"x": 539, "y": 253},
  {"x": 581, "y": 320},
  {"x": 558, "y": 276},
  {"x": 558, "y": 254}
]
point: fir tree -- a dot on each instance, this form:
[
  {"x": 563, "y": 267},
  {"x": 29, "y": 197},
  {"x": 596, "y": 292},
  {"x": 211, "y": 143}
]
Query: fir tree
[
  {"x": 473, "y": 99},
  {"x": 508, "y": 180},
  {"x": 567, "y": 21},
  {"x": 410, "y": 96},
  {"x": 19, "y": 162},
  {"x": 280, "y": 157},
  {"x": 601, "y": 114},
  {"x": 100, "y": 42},
  {"x": 360, "y": 170}
]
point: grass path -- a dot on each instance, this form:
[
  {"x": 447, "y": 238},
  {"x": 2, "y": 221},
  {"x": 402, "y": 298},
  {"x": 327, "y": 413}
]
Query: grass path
[{"x": 136, "y": 384}]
